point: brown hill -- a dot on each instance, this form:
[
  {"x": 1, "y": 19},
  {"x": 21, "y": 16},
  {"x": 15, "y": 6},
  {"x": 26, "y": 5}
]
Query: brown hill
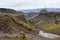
[
  {"x": 47, "y": 21},
  {"x": 14, "y": 23}
]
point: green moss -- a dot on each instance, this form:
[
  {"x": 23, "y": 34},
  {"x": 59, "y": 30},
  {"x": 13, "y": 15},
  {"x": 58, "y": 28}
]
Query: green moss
[
  {"x": 25, "y": 24},
  {"x": 51, "y": 27},
  {"x": 39, "y": 22}
]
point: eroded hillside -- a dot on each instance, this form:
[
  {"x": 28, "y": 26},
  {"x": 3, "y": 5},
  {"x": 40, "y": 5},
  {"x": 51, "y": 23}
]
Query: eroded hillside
[
  {"x": 10, "y": 23},
  {"x": 47, "y": 21}
]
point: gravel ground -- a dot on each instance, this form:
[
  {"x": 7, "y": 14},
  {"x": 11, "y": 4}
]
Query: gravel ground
[{"x": 29, "y": 36}]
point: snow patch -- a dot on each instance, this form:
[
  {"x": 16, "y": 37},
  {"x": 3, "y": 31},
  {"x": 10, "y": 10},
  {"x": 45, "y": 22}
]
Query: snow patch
[{"x": 48, "y": 35}]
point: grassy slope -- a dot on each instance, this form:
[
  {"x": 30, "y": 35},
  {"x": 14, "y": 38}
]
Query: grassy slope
[
  {"x": 47, "y": 23},
  {"x": 16, "y": 22},
  {"x": 52, "y": 27}
]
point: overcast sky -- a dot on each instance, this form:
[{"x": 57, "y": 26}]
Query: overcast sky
[{"x": 29, "y": 4}]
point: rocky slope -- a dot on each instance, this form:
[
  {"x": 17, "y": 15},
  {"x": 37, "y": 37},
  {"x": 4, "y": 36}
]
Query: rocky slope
[
  {"x": 47, "y": 21},
  {"x": 10, "y": 23},
  {"x": 15, "y": 26}
]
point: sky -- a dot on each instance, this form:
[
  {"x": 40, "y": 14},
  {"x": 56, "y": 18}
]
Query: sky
[{"x": 29, "y": 4}]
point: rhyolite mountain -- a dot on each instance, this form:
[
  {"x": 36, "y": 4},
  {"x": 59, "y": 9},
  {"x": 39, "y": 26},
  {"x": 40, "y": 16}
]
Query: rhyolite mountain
[
  {"x": 47, "y": 21},
  {"x": 28, "y": 24}
]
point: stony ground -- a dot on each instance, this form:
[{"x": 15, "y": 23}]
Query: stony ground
[{"x": 17, "y": 37}]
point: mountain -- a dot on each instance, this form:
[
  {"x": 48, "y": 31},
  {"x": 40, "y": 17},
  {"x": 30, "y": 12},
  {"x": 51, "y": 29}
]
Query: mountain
[
  {"x": 14, "y": 23},
  {"x": 6, "y": 10},
  {"x": 39, "y": 9},
  {"x": 30, "y": 10},
  {"x": 19, "y": 25},
  {"x": 52, "y": 9},
  {"x": 47, "y": 21}
]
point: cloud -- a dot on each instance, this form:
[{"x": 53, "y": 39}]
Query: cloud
[{"x": 29, "y": 4}]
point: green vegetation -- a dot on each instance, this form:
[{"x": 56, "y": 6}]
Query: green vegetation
[
  {"x": 15, "y": 22},
  {"x": 49, "y": 21},
  {"x": 39, "y": 22},
  {"x": 52, "y": 27}
]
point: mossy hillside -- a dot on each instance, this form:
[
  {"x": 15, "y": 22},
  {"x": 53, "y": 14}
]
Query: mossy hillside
[
  {"x": 14, "y": 22},
  {"x": 51, "y": 27}
]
